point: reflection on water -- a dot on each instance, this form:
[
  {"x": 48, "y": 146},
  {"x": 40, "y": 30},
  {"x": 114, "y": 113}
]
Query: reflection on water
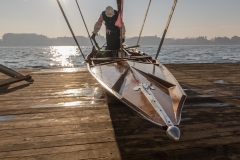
[
  {"x": 63, "y": 55},
  {"x": 43, "y": 56}
]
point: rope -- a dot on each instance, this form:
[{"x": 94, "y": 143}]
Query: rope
[
  {"x": 70, "y": 29},
  {"x": 144, "y": 21},
  {"x": 84, "y": 22},
  {"x": 165, "y": 31}
]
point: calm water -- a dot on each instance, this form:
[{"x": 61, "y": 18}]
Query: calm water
[{"x": 68, "y": 56}]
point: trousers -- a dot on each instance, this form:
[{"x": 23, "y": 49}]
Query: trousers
[{"x": 113, "y": 40}]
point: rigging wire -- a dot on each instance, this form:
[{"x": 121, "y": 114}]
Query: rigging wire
[
  {"x": 144, "y": 21},
  {"x": 165, "y": 31},
  {"x": 84, "y": 22},
  {"x": 70, "y": 28}
]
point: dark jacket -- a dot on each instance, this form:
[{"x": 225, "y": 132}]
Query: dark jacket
[{"x": 110, "y": 21}]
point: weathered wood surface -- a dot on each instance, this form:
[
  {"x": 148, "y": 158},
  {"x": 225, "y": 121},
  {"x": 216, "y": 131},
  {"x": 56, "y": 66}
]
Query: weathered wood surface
[{"x": 64, "y": 115}]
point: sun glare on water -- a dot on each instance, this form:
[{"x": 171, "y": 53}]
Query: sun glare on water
[{"x": 63, "y": 55}]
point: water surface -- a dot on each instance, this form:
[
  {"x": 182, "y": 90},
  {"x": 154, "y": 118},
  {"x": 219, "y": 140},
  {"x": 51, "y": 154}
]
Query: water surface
[{"x": 69, "y": 56}]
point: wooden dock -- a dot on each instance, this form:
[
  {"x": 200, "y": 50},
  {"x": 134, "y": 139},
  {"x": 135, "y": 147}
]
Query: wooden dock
[{"x": 64, "y": 115}]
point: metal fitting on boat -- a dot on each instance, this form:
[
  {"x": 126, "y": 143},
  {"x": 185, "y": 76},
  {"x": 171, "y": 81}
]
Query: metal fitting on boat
[{"x": 173, "y": 133}]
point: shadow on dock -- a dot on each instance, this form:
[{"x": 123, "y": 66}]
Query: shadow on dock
[
  {"x": 209, "y": 128},
  {"x": 9, "y": 90}
]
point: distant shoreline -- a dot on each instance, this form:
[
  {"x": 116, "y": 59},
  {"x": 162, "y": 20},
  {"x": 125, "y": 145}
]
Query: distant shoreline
[
  {"x": 127, "y": 44},
  {"x": 12, "y": 39}
]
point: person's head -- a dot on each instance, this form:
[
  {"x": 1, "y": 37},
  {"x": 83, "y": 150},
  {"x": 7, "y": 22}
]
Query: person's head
[{"x": 109, "y": 11}]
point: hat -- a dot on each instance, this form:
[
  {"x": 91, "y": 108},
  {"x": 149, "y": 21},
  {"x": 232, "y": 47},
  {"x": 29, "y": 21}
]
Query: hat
[{"x": 109, "y": 11}]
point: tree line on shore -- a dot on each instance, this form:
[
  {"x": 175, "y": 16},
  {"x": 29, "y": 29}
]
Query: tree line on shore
[{"x": 24, "y": 39}]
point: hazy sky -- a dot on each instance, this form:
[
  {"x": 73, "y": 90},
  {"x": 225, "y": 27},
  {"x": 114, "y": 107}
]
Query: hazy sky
[{"x": 192, "y": 18}]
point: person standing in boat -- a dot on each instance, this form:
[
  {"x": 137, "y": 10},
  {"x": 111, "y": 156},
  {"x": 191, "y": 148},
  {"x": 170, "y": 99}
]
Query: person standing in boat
[{"x": 110, "y": 16}]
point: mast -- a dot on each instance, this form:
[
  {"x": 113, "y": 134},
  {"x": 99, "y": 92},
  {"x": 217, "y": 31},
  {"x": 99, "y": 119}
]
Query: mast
[
  {"x": 165, "y": 31},
  {"x": 70, "y": 28},
  {"x": 119, "y": 5}
]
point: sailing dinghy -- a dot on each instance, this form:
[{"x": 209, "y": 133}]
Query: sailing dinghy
[
  {"x": 143, "y": 84},
  {"x": 139, "y": 81}
]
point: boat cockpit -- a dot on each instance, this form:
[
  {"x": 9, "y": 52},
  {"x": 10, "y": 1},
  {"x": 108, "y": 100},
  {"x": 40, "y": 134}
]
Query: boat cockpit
[{"x": 130, "y": 53}]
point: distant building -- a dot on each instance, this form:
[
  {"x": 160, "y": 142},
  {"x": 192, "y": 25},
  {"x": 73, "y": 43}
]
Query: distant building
[
  {"x": 202, "y": 41},
  {"x": 149, "y": 40},
  {"x": 212, "y": 40},
  {"x": 222, "y": 40},
  {"x": 63, "y": 41},
  {"x": 235, "y": 40},
  {"x": 185, "y": 41},
  {"x": 146, "y": 40},
  {"x": 169, "y": 41}
]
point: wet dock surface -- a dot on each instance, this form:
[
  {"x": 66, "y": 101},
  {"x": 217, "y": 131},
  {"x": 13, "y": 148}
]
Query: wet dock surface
[{"x": 64, "y": 114}]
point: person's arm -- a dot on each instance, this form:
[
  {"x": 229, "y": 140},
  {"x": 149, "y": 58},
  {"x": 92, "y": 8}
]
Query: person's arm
[{"x": 98, "y": 25}]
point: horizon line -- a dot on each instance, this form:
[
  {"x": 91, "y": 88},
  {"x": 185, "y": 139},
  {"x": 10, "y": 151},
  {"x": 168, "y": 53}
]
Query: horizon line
[{"x": 125, "y": 38}]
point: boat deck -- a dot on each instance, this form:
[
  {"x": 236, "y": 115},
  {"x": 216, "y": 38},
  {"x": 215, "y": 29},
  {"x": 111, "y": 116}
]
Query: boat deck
[{"x": 64, "y": 114}]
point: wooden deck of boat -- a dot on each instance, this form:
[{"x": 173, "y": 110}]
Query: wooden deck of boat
[{"x": 64, "y": 115}]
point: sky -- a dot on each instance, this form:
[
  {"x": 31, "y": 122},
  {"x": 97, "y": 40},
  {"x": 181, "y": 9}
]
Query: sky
[{"x": 192, "y": 18}]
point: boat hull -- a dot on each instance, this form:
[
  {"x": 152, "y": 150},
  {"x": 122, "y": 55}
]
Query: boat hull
[
  {"x": 120, "y": 98},
  {"x": 132, "y": 83},
  {"x": 143, "y": 84}
]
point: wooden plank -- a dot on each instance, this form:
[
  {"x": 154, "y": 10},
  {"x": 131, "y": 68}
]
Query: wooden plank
[
  {"x": 33, "y": 123},
  {"x": 87, "y": 151},
  {"x": 56, "y": 130},
  {"x": 24, "y": 143}
]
